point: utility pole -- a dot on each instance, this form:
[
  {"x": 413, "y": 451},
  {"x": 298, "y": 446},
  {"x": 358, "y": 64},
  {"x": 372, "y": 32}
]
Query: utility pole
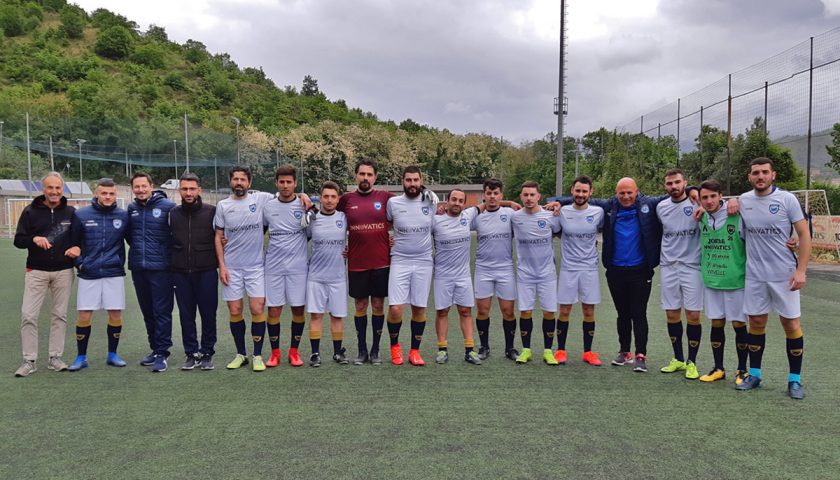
[
  {"x": 237, "y": 139},
  {"x": 175, "y": 155},
  {"x": 186, "y": 144},
  {"x": 81, "y": 142},
  {"x": 560, "y": 102}
]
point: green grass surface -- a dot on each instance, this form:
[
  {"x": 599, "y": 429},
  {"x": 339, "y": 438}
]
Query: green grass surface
[{"x": 451, "y": 421}]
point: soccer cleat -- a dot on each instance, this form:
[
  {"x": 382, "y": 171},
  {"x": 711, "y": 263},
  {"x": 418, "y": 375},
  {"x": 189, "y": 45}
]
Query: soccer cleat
[
  {"x": 673, "y": 366},
  {"x": 750, "y": 382},
  {"x": 114, "y": 360},
  {"x": 548, "y": 357},
  {"x": 57, "y": 364},
  {"x": 190, "y": 362},
  {"x": 591, "y": 358},
  {"x": 160, "y": 364},
  {"x": 148, "y": 360},
  {"x": 472, "y": 358},
  {"x": 274, "y": 358},
  {"x": 340, "y": 357},
  {"x": 238, "y": 361},
  {"x": 396, "y": 355},
  {"x": 623, "y": 358},
  {"x": 257, "y": 364},
  {"x": 206, "y": 362},
  {"x": 640, "y": 363},
  {"x": 740, "y": 375},
  {"x": 315, "y": 360},
  {"x": 795, "y": 390},
  {"x": 525, "y": 356},
  {"x": 25, "y": 369},
  {"x": 511, "y": 354},
  {"x": 442, "y": 357},
  {"x": 362, "y": 358},
  {"x": 483, "y": 352},
  {"x": 713, "y": 376},
  {"x": 414, "y": 358},
  {"x": 79, "y": 363},
  {"x": 375, "y": 359},
  {"x": 294, "y": 358},
  {"x": 560, "y": 356},
  {"x": 691, "y": 372}
]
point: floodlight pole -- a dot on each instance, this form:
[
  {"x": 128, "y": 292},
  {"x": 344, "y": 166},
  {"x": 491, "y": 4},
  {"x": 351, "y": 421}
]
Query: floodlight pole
[
  {"x": 558, "y": 188},
  {"x": 1, "y": 138},
  {"x": 81, "y": 142},
  {"x": 237, "y": 140},
  {"x": 175, "y": 153}
]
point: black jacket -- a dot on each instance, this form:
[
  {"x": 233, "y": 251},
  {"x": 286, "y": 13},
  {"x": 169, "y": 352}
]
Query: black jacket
[
  {"x": 39, "y": 220},
  {"x": 193, "y": 236}
]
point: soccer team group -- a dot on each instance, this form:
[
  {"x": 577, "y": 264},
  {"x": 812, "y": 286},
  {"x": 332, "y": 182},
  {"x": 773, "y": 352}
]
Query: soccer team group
[{"x": 733, "y": 259}]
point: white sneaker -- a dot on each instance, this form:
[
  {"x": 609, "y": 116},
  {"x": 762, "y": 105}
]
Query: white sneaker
[{"x": 26, "y": 368}]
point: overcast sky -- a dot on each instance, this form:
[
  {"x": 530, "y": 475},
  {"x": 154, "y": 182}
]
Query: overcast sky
[{"x": 492, "y": 65}]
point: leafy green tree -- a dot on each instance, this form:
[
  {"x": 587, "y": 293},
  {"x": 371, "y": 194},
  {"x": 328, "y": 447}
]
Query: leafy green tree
[
  {"x": 834, "y": 149},
  {"x": 114, "y": 42},
  {"x": 151, "y": 55},
  {"x": 11, "y": 20},
  {"x": 72, "y": 22},
  {"x": 310, "y": 87}
]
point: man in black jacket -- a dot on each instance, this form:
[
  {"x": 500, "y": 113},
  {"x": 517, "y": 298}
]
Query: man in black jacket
[
  {"x": 194, "y": 271},
  {"x": 44, "y": 229}
]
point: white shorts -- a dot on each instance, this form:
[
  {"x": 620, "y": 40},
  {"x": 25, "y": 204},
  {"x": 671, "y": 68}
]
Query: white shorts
[
  {"x": 410, "y": 282},
  {"x": 527, "y": 294},
  {"x": 578, "y": 286},
  {"x": 728, "y": 304},
  {"x": 454, "y": 291},
  {"x": 243, "y": 280},
  {"x": 323, "y": 297},
  {"x": 681, "y": 287},
  {"x": 285, "y": 289},
  {"x": 502, "y": 284},
  {"x": 760, "y": 297},
  {"x": 101, "y": 294}
]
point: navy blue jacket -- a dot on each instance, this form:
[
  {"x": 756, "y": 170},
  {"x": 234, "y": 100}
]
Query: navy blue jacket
[
  {"x": 100, "y": 233},
  {"x": 149, "y": 235},
  {"x": 649, "y": 226}
]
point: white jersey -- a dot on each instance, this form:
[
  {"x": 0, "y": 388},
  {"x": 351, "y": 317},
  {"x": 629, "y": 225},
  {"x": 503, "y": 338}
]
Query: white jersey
[
  {"x": 532, "y": 233},
  {"x": 768, "y": 223},
  {"x": 329, "y": 236},
  {"x": 452, "y": 244},
  {"x": 493, "y": 234},
  {"x": 242, "y": 222},
  {"x": 579, "y": 240},
  {"x": 412, "y": 219},
  {"x": 287, "y": 252},
  {"x": 680, "y": 233}
]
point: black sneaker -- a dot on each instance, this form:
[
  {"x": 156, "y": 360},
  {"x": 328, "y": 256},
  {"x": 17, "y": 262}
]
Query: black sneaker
[
  {"x": 750, "y": 382},
  {"x": 190, "y": 362},
  {"x": 512, "y": 354},
  {"x": 795, "y": 390},
  {"x": 640, "y": 363},
  {"x": 472, "y": 358},
  {"x": 622, "y": 358},
  {"x": 362, "y": 358},
  {"x": 206, "y": 362},
  {"x": 375, "y": 359},
  {"x": 148, "y": 360},
  {"x": 159, "y": 364},
  {"x": 483, "y": 352},
  {"x": 340, "y": 357},
  {"x": 315, "y": 360}
]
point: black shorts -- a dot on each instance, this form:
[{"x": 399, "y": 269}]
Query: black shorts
[{"x": 369, "y": 283}]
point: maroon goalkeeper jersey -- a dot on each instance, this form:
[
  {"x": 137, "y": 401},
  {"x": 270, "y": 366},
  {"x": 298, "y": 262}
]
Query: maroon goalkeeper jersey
[{"x": 368, "y": 229}]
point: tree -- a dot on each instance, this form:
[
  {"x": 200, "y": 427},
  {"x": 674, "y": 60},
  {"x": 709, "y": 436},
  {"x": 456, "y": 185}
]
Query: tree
[
  {"x": 114, "y": 42},
  {"x": 72, "y": 22},
  {"x": 310, "y": 87},
  {"x": 834, "y": 149},
  {"x": 157, "y": 34}
]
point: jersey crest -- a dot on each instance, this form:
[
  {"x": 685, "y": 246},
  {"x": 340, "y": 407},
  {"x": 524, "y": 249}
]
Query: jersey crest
[
  {"x": 590, "y": 218},
  {"x": 503, "y": 218},
  {"x": 298, "y": 214},
  {"x": 117, "y": 223},
  {"x": 156, "y": 212},
  {"x": 541, "y": 223},
  {"x": 339, "y": 224},
  {"x": 252, "y": 207},
  {"x": 774, "y": 208},
  {"x": 688, "y": 211},
  {"x": 645, "y": 209},
  {"x": 377, "y": 205},
  {"x": 425, "y": 210}
]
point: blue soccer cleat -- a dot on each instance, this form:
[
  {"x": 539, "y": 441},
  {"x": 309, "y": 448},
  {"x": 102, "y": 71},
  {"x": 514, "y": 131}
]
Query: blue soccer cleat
[
  {"x": 79, "y": 363},
  {"x": 114, "y": 360}
]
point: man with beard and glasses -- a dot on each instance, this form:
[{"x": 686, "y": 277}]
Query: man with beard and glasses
[{"x": 411, "y": 263}]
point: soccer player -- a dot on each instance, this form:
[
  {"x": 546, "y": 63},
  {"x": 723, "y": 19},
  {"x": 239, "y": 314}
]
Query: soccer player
[
  {"x": 368, "y": 257},
  {"x": 494, "y": 270},
  {"x": 98, "y": 237},
  {"x": 285, "y": 264},
  {"x": 411, "y": 263},
  {"x": 326, "y": 286},
  {"x": 44, "y": 230},
  {"x": 536, "y": 273},
  {"x": 148, "y": 259},
  {"x": 723, "y": 263},
  {"x": 774, "y": 275},
  {"x": 679, "y": 270},
  {"x": 194, "y": 272},
  {"x": 239, "y": 222},
  {"x": 453, "y": 285},
  {"x": 578, "y": 280}
]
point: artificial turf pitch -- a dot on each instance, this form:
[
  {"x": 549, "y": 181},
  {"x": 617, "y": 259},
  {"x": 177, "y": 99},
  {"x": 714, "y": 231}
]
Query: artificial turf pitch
[{"x": 451, "y": 421}]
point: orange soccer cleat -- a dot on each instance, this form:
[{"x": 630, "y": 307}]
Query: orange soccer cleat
[
  {"x": 414, "y": 358},
  {"x": 294, "y": 358},
  {"x": 396, "y": 355},
  {"x": 591, "y": 358},
  {"x": 560, "y": 356},
  {"x": 274, "y": 359}
]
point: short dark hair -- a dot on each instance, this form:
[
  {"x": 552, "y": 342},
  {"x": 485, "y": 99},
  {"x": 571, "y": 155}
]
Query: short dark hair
[
  {"x": 492, "y": 184},
  {"x": 329, "y": 184},
  {"x": 530, "y": 184},
  {"x": 674, "y": 171},
  {"x": 713, "y": 185},
  {"x": 141, "y": 175},
  {"x": 190, "y": 177},
  {"x": 366, "y": 162},
  {"x": 458, "y": 190},
  {"x": 412, "y": 169},
  {"x": 239, "y": 168},
  {"x": 105, "y": 182},
  {"x": 583, "y": 179},
  {"x": 762, "y": 161},
  {"x": 285, "y": 171}
]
